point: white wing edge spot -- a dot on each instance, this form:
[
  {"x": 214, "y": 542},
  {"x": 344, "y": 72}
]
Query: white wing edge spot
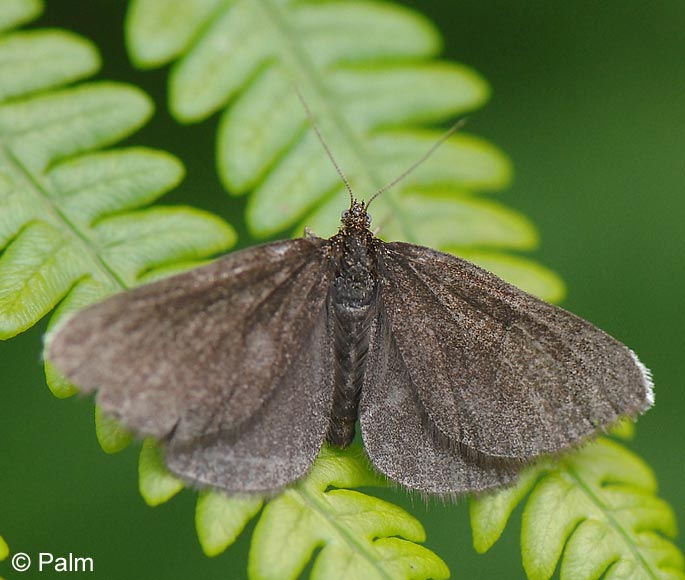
[{"x": 646, "y": 378}]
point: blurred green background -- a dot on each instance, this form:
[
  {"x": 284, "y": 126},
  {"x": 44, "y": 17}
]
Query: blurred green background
[{"x": 588, "y": 100}]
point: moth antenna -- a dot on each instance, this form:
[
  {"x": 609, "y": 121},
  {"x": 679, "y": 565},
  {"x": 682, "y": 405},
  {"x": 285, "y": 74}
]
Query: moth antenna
[
  {"x": 310, "y": 116},
  {"x": 451, "y": 131}
]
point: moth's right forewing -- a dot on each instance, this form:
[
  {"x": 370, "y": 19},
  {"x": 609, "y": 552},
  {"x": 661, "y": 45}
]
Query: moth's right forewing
[
  {"x": 201, "y": 349},
  {"x": 497, "y": 369},
  {"x": 398, "y": 434}
]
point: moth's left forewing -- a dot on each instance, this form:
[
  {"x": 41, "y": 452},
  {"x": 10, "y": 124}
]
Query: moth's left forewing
[
  {"x": 497, "y": 369},
  {"x": 218, "y": 362}
]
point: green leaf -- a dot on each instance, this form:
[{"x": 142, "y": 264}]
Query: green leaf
[
  {"x": 368, "y": 72},
  {"x": 4, "y": 549},
  {"x": 74, "y": 229},
  {"x": 163, "y": 29},
  {"x": 359, "y": 536},
  {"x": 155, "y": 483},
  {"x": 112, "y": 436},
  {"x": 71, "y": 223},
  {"x": 220, "y": 519},
  {"x": 25, "y": 68},
  {"x": 624, "y": 429},
  {"x": 521, "y": 272},
  {"x": 598, "y": 507},
  {"x": 441, "y": 222},
  {"x": 490, "y": 512},
  {"x": 17, "y": 12}
]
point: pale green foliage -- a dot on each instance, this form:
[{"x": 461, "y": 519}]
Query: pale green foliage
[
  {"x": 4, "y": 549},
  {"x": 17, "y": 12},
  {"x": 598, "y": 507},
  {"x": 112, "y": 436},
  {"x": 220, "y": 519},
  {"x": 70, "y": 220},
  {"x": 368, "y": 72},
  {"x": 360, "y": 536},
  {"x": 624, "y": 429},
  {"x": 155, "y": 483},
  {"x": 73, "y": 225}
]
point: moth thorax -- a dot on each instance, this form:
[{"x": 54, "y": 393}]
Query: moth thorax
[{"x": 355, "y": 278}]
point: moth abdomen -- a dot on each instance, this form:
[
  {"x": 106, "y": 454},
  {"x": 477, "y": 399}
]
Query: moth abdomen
[
  {"x": 353, "y": 306},
  {"x": 351, "y": 347}
]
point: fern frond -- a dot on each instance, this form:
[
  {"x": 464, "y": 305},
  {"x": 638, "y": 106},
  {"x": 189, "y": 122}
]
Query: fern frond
[
  {"x": 369, "y": 73},
  {"x": 360, "y": 536},
  {"x": 71, "y": 223},
  {"x": 598, "y": 507}
]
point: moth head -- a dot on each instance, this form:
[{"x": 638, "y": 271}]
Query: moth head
[{"x": 356, "y": 217}]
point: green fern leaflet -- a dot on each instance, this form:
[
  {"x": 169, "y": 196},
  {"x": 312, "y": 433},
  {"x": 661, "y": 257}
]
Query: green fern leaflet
[
  {"x": 599, "y": 507},
  {"x": 4, "y": 551},
  {"x": 71, "y": 223}
]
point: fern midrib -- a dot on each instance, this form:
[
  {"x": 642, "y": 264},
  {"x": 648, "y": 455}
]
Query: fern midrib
[
  {"x": 308, "y": 500},
  {"x": 296, "y": 57},
  {"x": 67, "y": 224},
  {"x": 615, "y": 524}
]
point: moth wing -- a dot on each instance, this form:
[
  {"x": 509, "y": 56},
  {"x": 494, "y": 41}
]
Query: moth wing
[
  {"x": 499, "y": 371},
  {"x": 280, "y": 442},
  {"x": 399, "y": 437},
  {"x": 204, "y": 357}
]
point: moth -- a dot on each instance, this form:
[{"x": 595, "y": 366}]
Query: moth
[{"x": 243, "y": 368}]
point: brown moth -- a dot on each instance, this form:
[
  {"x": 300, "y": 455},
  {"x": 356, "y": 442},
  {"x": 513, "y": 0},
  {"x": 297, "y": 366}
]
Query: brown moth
[{"x": 244, "y": 367}]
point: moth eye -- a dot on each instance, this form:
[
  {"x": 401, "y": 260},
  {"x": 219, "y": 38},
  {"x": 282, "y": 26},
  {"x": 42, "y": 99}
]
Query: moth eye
[
  {"x": 367, "y": 220},
  {"x": 346, "y": 214}
]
